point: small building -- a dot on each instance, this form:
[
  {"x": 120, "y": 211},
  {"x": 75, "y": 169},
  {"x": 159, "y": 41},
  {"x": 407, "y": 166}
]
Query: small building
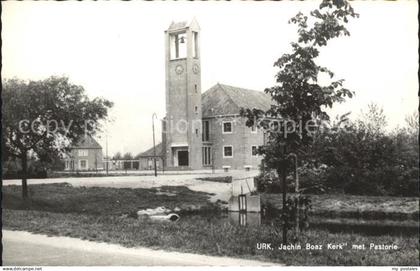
[
  {"x": 85, "y": 155},
  {"x": 146, "y": 158}
]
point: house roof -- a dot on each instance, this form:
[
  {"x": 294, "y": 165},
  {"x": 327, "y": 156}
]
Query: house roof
[
  {"x": 87, "y": 142},
  {"x": 150, "y": 152},
  {"x": 228, "y": 100}
]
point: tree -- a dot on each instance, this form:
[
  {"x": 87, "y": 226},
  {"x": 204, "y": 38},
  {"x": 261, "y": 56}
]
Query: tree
[
  {"x": 43, "y": 118},
  {"x": 365, "y": 163},
  {"x": 300, "y": 99},
  {"x": 374, "y": 120},
  {"x": 412, "y": 123},
  {"x": 364, "y": 159},
  {"x": 117, "y": 156},
  {"x": 128, "y": 156}
]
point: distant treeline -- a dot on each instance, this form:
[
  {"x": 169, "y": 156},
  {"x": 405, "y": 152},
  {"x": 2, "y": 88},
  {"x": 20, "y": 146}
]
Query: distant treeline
[{"x": 362, "y": 159}]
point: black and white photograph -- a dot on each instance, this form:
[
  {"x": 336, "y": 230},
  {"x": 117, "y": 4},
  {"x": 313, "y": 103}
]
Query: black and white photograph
[{"x": 138, "y": 134}]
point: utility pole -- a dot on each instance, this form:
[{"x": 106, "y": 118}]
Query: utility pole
[
  {"x": 154, "y": 146},
  {"x": 106, "y": 150},
  {"x": 212, "y": 161},
  {"x": 96, "y": 163}
]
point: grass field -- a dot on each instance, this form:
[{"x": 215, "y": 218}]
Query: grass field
[
  {"x": 95, "y": 214},
  {"x": 371, "y": 207},
  {"x": 64, "y": 198}
]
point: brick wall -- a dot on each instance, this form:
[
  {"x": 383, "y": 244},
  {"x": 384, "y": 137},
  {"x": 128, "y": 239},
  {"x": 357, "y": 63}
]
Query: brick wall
[
  {"x": 183, "y": 102},
  {"x": 241, "y": 139}
]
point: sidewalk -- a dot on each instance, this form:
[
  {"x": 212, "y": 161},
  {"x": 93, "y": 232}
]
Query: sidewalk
[{"x": 24, "y": 248}]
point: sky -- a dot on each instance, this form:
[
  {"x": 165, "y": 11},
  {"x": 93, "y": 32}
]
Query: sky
[{"x": 115, "y": 50}]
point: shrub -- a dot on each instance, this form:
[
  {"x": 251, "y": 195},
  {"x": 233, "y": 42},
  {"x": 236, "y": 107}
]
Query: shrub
[
  {"x": 268, "y": 182},
  {"x": 312, "y": 179},
  {"x": 366, "y": 161}
]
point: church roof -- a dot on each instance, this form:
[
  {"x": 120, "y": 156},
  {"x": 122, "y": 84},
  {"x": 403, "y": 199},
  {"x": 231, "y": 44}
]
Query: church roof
[
  {"x": 184, "y": 24},
  {"x": 87, "y": 142},
  {"x": 178, "y": 25},
  {"x": 228, "y": 100},
  {"x": 150, "y": 152}
]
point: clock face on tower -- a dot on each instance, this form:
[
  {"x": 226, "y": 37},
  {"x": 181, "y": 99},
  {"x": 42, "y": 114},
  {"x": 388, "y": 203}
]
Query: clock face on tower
[
  {"x": 179, "y": 69},
  {"x": 196, "y": 68}
]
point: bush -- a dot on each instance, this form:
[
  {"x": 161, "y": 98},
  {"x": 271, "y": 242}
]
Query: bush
[
  {"x": 364, "y": 161},
  {"x": 12, "y": 169},
  {"x": 312, "y": 179},
  {"x": 268, "y": 182}
]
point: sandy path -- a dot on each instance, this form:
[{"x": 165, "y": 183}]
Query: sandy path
[{"x": 27, "y": 249}]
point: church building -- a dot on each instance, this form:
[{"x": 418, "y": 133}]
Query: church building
[{"x": 205, "y": 130}]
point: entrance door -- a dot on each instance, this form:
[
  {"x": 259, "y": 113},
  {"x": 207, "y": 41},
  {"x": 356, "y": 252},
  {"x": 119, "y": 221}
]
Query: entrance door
[{"x": 182, "y": 158}]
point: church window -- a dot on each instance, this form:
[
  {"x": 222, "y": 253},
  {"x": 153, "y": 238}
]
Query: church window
[
  {"x": 178, "y": 45},
  {"x": 227, "y": 151},
  {"x": 227, "y": 127},
  {"x": 254, "y": 150},
  {"x": 206, "y": 158},
  {"x": 206, "y": 130},
  {"x": 196, "y": 109},
  {"x": 195, "y": 44}
]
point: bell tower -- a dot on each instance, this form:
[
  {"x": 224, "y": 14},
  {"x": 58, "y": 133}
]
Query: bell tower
[{"x": 182, "y": 135}]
